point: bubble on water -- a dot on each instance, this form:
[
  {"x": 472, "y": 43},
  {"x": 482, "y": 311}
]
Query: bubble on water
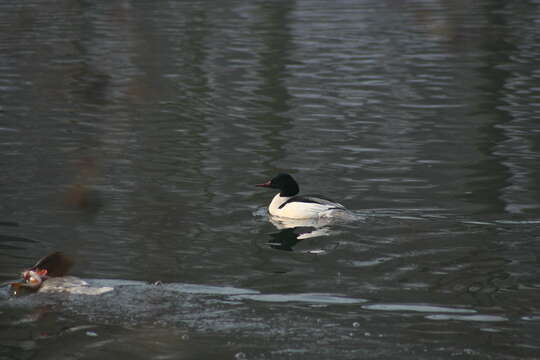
[
  {"x": 356, "y": 324},
  {"x": 260, "y": 212},
  {"x": 240, "y": 356},
  {"x": 367, "y": 334}
]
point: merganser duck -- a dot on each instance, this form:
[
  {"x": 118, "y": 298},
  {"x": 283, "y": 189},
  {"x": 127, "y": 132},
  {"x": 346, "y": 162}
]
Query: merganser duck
[
  {"x": 287, "y": 204},
  {"x": 52, "y": 265}
]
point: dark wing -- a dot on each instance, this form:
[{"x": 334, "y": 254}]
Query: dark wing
[
  {"x": 316, "y": 199},
  {"x": 56, "y": 264}
]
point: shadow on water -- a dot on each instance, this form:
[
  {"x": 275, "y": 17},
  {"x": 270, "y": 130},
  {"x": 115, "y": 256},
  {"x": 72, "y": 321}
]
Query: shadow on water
[
  {"x": 273, "y": 29},
  {"x": 498, "y": 48}
]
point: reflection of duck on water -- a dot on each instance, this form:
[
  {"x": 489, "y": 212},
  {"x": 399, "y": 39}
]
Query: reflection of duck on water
[
  {"x": 287, "y": 238},
  {"x": 306, "y": 228},
  {"x": 292, "y": 231}
]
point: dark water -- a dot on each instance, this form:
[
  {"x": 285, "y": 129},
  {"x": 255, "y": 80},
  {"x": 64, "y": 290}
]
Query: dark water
[{"x": 132, "y": 134}]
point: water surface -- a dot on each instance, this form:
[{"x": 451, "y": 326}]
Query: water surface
[{"x": 132, "y": 135}]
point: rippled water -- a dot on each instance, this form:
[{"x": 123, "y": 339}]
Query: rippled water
[{"x": 132, "y": 135}]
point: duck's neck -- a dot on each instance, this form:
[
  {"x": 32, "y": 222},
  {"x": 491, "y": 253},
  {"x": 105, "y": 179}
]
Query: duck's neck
[
  {"x": 277, "y": 201},
  {"x": 290, "y": 190}
]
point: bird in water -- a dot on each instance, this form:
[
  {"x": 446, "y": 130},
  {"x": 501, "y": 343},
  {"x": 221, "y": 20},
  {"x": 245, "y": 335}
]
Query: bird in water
[
  {"x": 288, "y": 204},
  {"x": 55, "y": 264}
]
